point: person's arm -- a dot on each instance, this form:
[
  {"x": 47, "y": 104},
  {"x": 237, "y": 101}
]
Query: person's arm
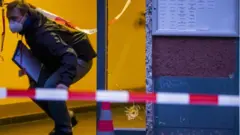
[{"x": 66, "y": 54}]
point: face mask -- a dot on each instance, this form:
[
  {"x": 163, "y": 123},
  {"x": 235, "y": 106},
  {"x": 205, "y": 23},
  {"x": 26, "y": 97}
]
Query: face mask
[{"x": 15, "y": 26}]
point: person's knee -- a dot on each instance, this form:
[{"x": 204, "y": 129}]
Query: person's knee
[
  {"x": 52, "y": 81},
  {"x": 49, "y": 85}
]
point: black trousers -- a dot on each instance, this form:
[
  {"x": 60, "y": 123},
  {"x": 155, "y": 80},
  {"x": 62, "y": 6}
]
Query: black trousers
[{"x": 57, "y": 110}]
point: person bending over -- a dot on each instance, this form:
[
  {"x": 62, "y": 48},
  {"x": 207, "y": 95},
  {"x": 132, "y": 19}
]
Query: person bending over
[{"x": 66, "y": 56}]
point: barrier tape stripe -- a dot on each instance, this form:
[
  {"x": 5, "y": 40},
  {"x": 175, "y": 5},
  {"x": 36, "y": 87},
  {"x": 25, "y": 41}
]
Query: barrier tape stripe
[
  {"x": 123, "y": 97},
  {"x": 87, "y": 31}
]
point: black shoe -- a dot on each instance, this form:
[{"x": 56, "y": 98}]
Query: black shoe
[
  {"x": 63, "y": 133},
  {"x": 74, "y": 123}
]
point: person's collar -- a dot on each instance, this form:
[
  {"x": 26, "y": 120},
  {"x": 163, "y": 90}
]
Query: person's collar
[
  {"x": 26, "y": 25},
  {"x": 29, "y": 23}
]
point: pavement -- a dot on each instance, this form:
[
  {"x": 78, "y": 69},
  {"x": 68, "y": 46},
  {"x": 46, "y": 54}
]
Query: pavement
[{"x": 86, "y": 126}]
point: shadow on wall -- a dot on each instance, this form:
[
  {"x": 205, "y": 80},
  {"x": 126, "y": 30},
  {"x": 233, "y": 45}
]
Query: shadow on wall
[{"x": 126, "y": 44}]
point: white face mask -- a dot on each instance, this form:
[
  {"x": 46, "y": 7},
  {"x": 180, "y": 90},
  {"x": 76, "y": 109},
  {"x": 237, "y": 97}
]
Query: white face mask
[{"x": 15, "y": 26}]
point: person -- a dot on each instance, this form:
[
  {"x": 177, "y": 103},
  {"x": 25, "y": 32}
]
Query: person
[{"x": 66, "y": 55}]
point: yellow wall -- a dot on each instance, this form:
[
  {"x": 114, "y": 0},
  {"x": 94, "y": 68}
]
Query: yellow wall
[{"x": 126, "y": 45}]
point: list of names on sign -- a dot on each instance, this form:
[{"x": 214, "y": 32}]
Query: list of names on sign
[{"x": 181, "y": 14}]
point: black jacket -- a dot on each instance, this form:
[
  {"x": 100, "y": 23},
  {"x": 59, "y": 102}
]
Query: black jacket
[{"x": 56, "y": 46}]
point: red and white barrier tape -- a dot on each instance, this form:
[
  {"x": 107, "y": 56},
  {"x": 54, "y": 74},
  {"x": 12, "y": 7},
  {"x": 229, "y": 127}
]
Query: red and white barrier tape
[
  {"x": 87, "y": 31},
  {"x": 124, "y": 97}
]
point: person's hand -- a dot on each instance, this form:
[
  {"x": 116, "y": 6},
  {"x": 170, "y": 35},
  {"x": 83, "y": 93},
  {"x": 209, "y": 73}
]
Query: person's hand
[{"x": 62, "y": 86}]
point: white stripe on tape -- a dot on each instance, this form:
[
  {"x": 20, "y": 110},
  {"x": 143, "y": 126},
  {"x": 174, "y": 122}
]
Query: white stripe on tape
[
  {"x": 47, "y": 14},
  {"x": 112, "y": 96},
  {"x": 3, "y": 92},
  {"x": 167, "y": 98},
  {"x": 51, "y": 94},
  {"x": 224, "y": 100}
]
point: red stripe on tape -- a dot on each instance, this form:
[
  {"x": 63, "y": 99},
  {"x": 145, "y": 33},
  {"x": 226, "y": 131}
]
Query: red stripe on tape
[
  {"x": 61, "y": 20},
  {"x": 106, "y": 106},
  {"x": 105, "y": 126},
  {"x": 142, "y": 97},
  {"x": 112, "y": 21},
  {"x": 203, "y": 99},
  {"x": 21, "y": 93},
  {"x": 85, "y": 96}
]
